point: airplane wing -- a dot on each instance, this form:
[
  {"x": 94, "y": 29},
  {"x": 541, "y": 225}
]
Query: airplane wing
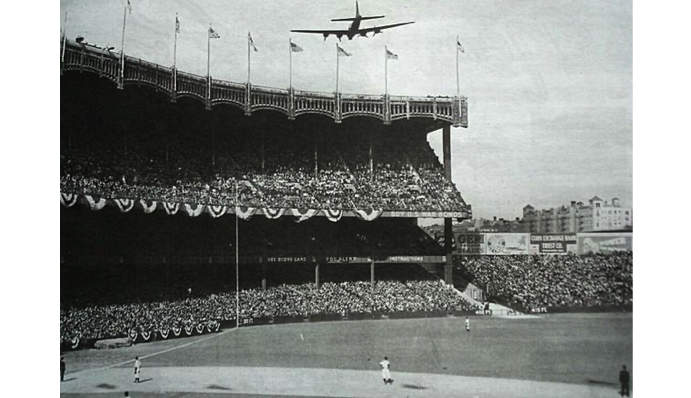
[
  {"x": 321, "y": 32},
  {"x": 378, "y": 29}
]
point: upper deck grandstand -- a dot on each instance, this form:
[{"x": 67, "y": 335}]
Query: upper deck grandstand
[{"x": 137, "y": 144}]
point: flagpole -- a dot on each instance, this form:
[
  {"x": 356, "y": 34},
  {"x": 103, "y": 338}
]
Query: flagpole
[
  {"x": 122, "y": 48},
  {"x": 290, "y": 55},
  {"x": 64, "y": 38},
  {"x": 458, "y": 91},
  {"x": 386, "y": 71},
  {"x": 248, "y": 58},
  {"x": 337, "y": 68},
  {"x": 175, "y": 45},
  {"x": 237, "y": 262},
  {"x": 208, "y": 53}
]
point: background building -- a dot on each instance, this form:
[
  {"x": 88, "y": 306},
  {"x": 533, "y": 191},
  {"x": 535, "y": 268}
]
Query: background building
[{"x": 598, "y": 215}]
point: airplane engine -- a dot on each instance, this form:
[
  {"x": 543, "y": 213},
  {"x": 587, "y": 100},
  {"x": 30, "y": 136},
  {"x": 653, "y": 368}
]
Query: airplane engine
[{"x": 363, "y": 34}]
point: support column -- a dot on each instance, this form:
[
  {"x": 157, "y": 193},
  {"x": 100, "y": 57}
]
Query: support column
[
  {"x": 263, "y": 152},
  {"x": 372, "y": 273},
  {"x": 316, "y": 159},
  {"x": 316, "y": 275},
  {"x": 371, "y": 159},
  {"x": 263, "y": 273},
  {"x": 448, "y": 226}
]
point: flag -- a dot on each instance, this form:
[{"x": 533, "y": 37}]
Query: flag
[
  {"x": 177, "y": 25},
  {"x": 213, "y": 34},
  {"x": 459, "y": 46},
  {"x": 129, "y": 6},
  {"x": 295, "y": 48},
  {"x": 342, "y": 52},
  {"x": 249, "y": 37},
  {"x": 390, "y": 55}
]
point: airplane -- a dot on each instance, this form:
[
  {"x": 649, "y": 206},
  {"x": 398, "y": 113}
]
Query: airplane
[{"x": 354, "y": 29}]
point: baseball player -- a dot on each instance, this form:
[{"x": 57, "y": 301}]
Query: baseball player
[
  {"x": 137, "y": 369},
  {"x": 467, "y": 324},
  {"x": 385, "y": 373},
  {"x": 62, "y": 368}
]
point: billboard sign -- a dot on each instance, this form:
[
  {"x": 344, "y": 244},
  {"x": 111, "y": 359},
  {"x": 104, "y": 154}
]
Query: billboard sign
[
  {"x": 470, "y": 244},
  {"x": 553, "y": 243},
  {"x": 604, "y": 243},
  {"x": 506, "y": 243}
]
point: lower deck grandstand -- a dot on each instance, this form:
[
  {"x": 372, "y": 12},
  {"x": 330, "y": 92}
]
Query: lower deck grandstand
[{"x": 528, "y": 282}]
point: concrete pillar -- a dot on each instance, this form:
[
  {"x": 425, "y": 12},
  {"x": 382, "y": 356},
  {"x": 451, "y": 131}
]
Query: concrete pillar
[
  {"x": 448, "y": 229},
  {"x": 448, "y": 240},
  {"x": 316, "y": 275},
  {"x": 372, "y": 273},
  {"x": 446, "y": 142}
]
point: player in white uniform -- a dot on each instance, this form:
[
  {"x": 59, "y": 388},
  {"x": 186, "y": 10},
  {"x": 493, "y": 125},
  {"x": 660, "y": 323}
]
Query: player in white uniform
[
  {"x": 137, "y": 369},
  {"x": 467, "y": 324},
  {"x": 385, "y": 373}
]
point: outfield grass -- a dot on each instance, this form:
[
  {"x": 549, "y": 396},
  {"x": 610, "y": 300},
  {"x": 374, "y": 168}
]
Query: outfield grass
[{"x": 572, "y": 348}]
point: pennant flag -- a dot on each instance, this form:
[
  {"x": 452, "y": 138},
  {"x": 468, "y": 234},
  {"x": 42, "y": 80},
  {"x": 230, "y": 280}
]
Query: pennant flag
[
  {"x": 213, "y": 34},
  {"x": 459, "y": 46},
  {"x": 342, "y": 52},
  {"x": 390, "y": 55},
  {"x": 129, "y": 6},
  {"x": 249, "y": 37},
  {"x": 177, "y": 25},
  {"x": 295, "y": 48}
]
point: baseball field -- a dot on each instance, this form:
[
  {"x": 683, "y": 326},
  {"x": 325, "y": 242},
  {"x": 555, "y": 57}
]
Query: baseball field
[{"x": 556, "y": 355}]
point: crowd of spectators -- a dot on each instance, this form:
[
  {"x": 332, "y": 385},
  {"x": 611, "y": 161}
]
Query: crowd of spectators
[
  {"x": 405, "y": 174},
  {"x": 106, "y": 321},
  {"x": 539, "y": 281}
]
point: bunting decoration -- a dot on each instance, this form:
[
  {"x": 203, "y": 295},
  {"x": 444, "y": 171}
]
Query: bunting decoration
[
  {"x": 368, "y": 215},
  {"x": 124, "y": 205},
  {"x": 304, "y": 214},
  {"x": 273, "y": 214},
  {"x": 75, "y": 342},
  {"x": 188, "y": 330},
  {"x": 217, "y": 211},
  {"x": 148, "y": 208},
  {"x": 68, "y": 199},
  {"x": 133, "y": 334},
  {"x": 245, "y": 212},
  {"x": 164, "y": 334},
  {"x": 171, "y": 208},
  {"x": 176, "y": 331},
  {"x": 194, "y": 212},
  {"x": 333, "y": 215},
  {"x": 146, "y": 335},
  {"x": 200, "y": 328},
  {"x": 95, "y": 204}
]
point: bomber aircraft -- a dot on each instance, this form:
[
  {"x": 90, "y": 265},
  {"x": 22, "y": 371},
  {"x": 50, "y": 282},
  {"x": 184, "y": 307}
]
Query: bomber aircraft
[{"x": 354, "y": 29}]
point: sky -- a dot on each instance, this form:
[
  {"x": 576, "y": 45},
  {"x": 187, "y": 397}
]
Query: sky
[{"x": 549, "y": 82}]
